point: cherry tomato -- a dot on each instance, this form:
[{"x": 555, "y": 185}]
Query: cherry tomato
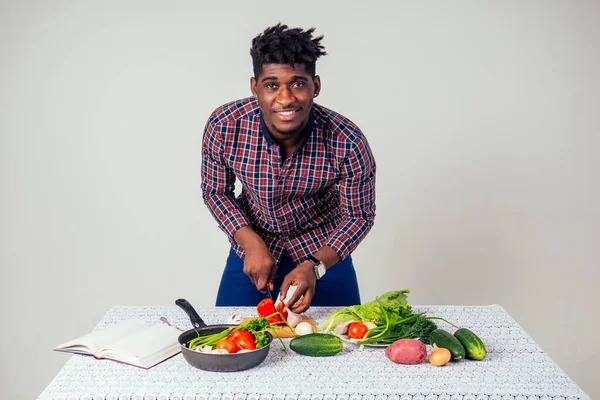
[
  {"x": 228, "y": 345},
  {"x": 357, "y": 330}
]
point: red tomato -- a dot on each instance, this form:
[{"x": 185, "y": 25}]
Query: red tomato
[
  {"x": 245, "y": 343},
  {"x": 265, "y": 308},
  {"x": 243, "y": 339},
  {"x": 228, "y": 345},
  {"x": 357, "y": 330},
  {"x": 281, "y": 309}
]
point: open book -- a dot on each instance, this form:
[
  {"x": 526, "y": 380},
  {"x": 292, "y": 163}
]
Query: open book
[{"x": 131, "y": 342}]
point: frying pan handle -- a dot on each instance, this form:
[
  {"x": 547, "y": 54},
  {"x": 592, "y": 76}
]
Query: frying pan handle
[{"x": 189, "y": 310}]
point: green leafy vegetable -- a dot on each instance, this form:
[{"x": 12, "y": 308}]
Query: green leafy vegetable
[
  {"x": 258, "y": 328},
  {"x": 377, "y": 311},
  {"x": 392, "y": 315}
]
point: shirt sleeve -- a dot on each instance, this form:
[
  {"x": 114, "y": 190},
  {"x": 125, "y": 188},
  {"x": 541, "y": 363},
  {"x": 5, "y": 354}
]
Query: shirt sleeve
[
  {"x": 357, "y": 199},
  {"x": 218, "y": 182}
]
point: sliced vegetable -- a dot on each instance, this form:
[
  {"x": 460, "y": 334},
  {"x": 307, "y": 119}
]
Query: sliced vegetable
[
  {"x": 282, "y": 309},
  {"x": 317, "y": 345},
  {"x": 266, "y": 308},
  {"x": 474, "y": 347},
  {"x": 445, "y": 339}
]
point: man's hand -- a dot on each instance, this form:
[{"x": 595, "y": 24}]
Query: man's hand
[
  {"x": 259, "y": 263},
  {"x": 260, "y": 266},
  {"x": 303, "y": 277}
]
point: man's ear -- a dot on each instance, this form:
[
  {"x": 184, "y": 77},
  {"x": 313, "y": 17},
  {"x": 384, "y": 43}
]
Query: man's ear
[
  {"x": 317, "y": 83},
  {"x": 253, "y": 87}
]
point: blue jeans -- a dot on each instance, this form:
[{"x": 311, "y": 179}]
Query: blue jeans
[{"x": 338, "y": 287}]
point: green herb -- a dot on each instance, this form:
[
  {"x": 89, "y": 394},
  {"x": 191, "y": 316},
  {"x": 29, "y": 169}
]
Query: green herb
[
  {"x": 258, "y": 328},
  {"x": 415, "y": 327}
]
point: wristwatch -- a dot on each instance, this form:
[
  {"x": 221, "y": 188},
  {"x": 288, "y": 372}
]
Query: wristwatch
[{"x": 319, "y": 267}]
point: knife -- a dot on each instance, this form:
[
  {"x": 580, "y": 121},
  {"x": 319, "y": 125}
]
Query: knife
[{"x": 270, "y": 295}]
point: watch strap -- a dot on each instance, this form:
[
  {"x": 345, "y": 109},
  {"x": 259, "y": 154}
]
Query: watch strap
[{"x": 313, "y": 260}]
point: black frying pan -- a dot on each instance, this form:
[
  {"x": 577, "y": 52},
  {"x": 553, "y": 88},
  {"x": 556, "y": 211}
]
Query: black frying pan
[{"x": 216, "y": 362}]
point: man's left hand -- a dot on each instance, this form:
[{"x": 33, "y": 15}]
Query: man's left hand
[{"x": 305, "y": 280}]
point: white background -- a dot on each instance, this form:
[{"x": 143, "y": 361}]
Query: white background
[{"x": 483, "y": 118}]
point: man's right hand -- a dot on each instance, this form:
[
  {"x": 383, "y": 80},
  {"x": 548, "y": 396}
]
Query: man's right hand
[{"x": 259, "y": 263}]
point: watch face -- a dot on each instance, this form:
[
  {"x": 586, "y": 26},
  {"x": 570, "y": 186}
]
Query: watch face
[{"x": 320, "y": 270}]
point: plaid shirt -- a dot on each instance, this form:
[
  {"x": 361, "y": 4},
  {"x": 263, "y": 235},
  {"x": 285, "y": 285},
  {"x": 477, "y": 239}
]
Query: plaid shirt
[{"x": 322, "y": 195}]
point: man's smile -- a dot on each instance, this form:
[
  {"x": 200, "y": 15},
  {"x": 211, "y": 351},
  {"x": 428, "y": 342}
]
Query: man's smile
[{"x": 286, "y": 115}]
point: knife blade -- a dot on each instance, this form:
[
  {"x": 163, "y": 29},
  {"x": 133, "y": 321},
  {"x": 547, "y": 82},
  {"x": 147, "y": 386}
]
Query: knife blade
[{"x": 270, "y": 295}]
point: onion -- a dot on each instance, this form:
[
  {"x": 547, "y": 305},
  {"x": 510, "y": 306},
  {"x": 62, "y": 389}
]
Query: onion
[
  {"x": 439, "y": 356},
  {"x": 304, "y": 328}
]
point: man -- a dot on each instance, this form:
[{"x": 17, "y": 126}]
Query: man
[{"x": 307, "y": 176}]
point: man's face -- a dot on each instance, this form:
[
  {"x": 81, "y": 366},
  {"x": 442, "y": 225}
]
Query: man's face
[{"x": 285, "y": 96}]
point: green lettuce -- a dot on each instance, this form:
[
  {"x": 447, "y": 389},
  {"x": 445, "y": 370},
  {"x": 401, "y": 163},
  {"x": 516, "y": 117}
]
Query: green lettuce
[{"x": 390, "y": 305}]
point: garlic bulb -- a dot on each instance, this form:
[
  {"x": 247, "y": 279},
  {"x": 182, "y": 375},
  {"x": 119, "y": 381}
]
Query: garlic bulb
[{"x": 293, "y": 319}]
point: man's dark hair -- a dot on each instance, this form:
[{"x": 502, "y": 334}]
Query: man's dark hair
[{"x": 282, "y": 45}]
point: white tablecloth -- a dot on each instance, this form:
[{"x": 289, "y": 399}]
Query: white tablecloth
[{"x": 514, "y": 369}]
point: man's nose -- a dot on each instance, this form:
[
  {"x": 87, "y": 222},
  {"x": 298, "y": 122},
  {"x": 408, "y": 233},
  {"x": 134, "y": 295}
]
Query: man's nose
[{"x": 285, "y": 97}]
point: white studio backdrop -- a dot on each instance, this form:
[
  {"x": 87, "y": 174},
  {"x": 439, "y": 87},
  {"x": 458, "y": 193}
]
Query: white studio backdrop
[{"x": 483, "y": 118}]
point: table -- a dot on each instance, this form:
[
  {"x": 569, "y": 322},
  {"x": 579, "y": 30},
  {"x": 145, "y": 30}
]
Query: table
[{"x": 515, "y": 368}]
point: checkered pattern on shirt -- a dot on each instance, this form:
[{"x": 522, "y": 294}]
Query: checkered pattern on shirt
[{"x": 322, "y": 195}]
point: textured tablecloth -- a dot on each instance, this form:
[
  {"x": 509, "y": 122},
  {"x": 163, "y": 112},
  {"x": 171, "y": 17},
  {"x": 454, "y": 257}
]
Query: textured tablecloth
[{"x": 514, "y": 369}]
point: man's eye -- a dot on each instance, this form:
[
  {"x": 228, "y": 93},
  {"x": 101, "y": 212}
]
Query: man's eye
[
  {"x": 298, "y": 84},
  {"x": 271, "y": 86}
]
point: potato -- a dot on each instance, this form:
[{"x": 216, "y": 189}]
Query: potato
[{"x": 406, "y": 351}]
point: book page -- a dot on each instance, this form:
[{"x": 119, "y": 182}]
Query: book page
[
  {"x": 103, "y": 337},
  {"x": 146, "y": 347}
]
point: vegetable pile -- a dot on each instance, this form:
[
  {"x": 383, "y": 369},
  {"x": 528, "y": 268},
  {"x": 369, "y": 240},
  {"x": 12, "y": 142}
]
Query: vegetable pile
[
  {"x": 384, "y": 320},
  {"x": 390, "y": 320},
  {"x": 250, "y": 335}
]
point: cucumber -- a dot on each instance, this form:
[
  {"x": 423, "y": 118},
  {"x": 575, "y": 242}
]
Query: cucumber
[
  {"x": 317, "y": 344},
  {"x": 474, "y": 347},
  {"x": 445, "y": 339}
]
